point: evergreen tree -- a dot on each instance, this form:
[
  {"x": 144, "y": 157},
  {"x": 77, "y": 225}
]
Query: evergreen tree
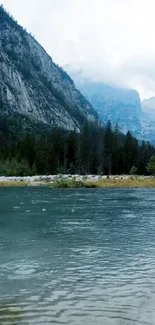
[
  {"x": 151, "y": 166},
  {"x": 116, "y": 152},
  {"x": 108, "y": 148},
  {"x": 85, "y": 148},
  {"x": 71, "y": 152},
  {"x": 96, "y": 150},
  {"x": 128, "y": 153}
]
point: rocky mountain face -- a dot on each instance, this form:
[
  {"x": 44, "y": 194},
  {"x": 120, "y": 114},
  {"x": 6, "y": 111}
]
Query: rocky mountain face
[
  {"x": 148, "y": 120},
  {"x": 32, "y": 85},
  {"x": 118, "y": 105}
]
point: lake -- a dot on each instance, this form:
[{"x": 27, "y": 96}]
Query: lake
[{"x": 77, "y": 257}]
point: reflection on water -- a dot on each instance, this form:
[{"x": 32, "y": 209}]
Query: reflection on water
[
  {"x": 9, "y": 315},
  {"x": 77, "y": 256}
]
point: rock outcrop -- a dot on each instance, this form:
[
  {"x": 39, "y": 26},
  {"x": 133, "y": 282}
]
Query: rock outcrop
[{"x": 31, "y": 84}]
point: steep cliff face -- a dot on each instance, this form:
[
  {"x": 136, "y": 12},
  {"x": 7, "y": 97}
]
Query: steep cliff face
[{"x": 33, "y": 85}]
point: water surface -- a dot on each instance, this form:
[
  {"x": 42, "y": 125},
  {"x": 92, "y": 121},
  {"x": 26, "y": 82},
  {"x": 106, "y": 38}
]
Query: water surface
[{"x": 77, "y": 257}]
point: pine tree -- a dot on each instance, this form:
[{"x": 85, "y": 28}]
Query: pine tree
[
  {"x": 116, "y": 152},
  {"x": 85, "y": 148},
  {"x": 151, "y": 166},
  {"x": 108, "y": 148},
  {"x": 128, "y": 153}
]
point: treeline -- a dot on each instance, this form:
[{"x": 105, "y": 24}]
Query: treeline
[{"x": 96, "y": 150}]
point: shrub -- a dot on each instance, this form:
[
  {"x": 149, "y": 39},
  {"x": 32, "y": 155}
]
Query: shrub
[
  {"x": 15, "y": 168},
  {"x": 133, "y": 170}
]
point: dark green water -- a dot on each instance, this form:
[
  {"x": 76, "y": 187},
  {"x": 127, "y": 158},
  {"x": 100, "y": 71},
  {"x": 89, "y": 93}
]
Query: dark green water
[{"x": 77, "y": 257}]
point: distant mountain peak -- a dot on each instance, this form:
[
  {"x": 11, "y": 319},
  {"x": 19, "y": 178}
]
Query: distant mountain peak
[{"x": 120, "y": 105}]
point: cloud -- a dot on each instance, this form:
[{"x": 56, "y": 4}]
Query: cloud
[{"x": 110, "y": 40}]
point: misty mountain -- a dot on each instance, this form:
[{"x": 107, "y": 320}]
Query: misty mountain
[
  {"x": 148, "y": 106},
  {"x": 120, "y": 105}
]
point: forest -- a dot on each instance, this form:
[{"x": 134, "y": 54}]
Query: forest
[{"x": 96, "y": 149}]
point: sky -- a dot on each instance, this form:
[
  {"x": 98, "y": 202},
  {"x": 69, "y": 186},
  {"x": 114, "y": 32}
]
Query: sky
[{"x": 109, "y": 40}]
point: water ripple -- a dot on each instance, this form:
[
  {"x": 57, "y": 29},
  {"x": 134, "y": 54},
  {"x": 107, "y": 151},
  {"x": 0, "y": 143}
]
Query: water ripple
[{"x": 94, "y": 266}]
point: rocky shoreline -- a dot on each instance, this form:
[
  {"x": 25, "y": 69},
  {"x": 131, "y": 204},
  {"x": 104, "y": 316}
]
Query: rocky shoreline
[{"x": 79, "y": 181}]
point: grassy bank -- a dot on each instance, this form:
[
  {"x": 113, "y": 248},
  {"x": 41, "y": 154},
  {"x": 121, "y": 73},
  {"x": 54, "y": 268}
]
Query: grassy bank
[
  {"x": 111, "y": 182},
  {"x": 124, "y": 183},
  {"x": 14, "y": 184},
  {"x": 108, "y": 183}
]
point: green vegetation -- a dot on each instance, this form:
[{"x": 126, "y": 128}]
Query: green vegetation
[
  {"x": 26, "y": 151},
  {"x": 151, "y": 166},
  {"x": 13, "y": 167},
  {"x": 131, "y": 182},
  {"x": 133, "y": 170},
  {"x": 73, "y": 183},
  {"x": 67, "y": 184},
  {"x": 109, "y": 182}
]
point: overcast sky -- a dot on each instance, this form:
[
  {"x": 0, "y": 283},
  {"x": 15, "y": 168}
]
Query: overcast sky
[{"x": 110, "y": 40}]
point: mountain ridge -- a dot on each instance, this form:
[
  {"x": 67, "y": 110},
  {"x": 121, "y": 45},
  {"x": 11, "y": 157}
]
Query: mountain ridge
[
  {"x": 148, "y": 106},
  {"x": 32, "y": 84},
  {"x": 119, "y": 105}
]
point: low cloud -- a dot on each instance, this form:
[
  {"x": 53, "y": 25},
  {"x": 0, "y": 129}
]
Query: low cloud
[{"x": 109, "y": 40}]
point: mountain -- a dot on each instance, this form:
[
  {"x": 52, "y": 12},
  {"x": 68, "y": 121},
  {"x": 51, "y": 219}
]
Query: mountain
[
  {"x": 120, "y": 105},
  {"x": 148, "y": 106},
  {"x": 32, "y": 85}
]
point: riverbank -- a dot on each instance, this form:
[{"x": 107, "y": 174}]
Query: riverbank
[{"x": 78, "y": 181}]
